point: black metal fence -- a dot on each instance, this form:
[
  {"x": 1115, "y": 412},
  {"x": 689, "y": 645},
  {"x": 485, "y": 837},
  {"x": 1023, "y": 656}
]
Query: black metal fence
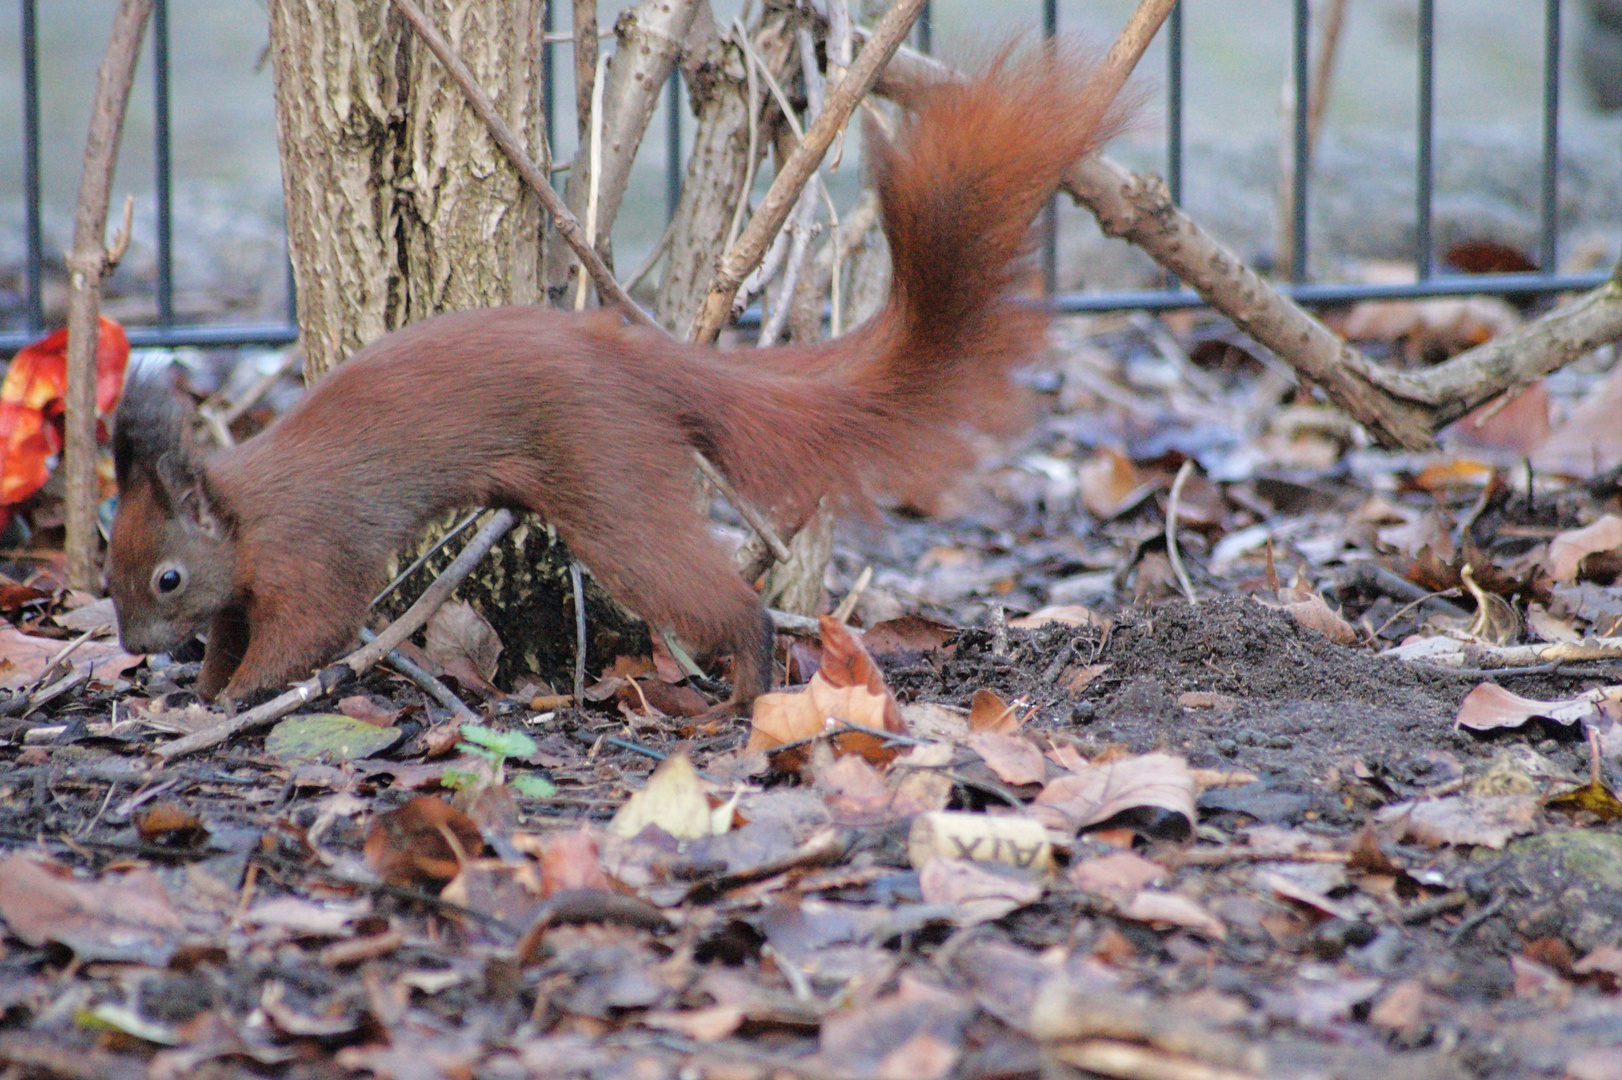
[{"x": 166, "y": 332}]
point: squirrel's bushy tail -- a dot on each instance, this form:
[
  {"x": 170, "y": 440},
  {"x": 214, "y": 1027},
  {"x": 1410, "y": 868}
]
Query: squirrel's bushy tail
[{"x": 887, "y": 407}]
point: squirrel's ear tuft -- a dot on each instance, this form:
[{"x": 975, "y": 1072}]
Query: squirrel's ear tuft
[{"x": 151, "y": 428}]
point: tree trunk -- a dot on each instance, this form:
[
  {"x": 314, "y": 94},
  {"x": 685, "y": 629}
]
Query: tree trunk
[{"x": 400, "y": 206}]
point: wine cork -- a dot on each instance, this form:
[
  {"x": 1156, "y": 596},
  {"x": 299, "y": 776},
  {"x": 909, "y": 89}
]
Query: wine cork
[{"x": 1015, "y": 841}]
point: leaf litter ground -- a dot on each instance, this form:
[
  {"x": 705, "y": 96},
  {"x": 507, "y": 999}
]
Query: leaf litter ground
[{"x": 1127, "y": 837}]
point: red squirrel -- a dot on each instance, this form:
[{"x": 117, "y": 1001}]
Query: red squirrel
[{"x": 275, "y": 546}]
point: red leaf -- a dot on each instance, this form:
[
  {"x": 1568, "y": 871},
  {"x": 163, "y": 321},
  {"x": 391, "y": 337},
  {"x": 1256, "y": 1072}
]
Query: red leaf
[{"x": 31, "y": 405}]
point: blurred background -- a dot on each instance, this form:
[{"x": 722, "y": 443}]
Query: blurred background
[{"x": 229, "y": 252}]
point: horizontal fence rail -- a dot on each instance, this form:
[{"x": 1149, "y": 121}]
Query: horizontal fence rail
[{"x": 1428, "y": 283}]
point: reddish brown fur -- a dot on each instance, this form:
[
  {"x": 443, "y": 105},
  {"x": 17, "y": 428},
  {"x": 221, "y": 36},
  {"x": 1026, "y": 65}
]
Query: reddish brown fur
[{"x": 589, "y": 422}]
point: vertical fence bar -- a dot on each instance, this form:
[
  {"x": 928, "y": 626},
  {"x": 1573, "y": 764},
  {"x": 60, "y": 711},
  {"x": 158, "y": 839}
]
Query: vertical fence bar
[
  {"x": 35, "y": 265},
  {"x": 160, "y": 160},
  {"x": 926, "y": 28},
  {"x": 1424, "y": 165},
  {"x": 1298, "y": 178},
  {"x": 673, "y": 146},
  {"x": 1548, "y": 255},
  {"x": 1174, "y": 103},
  {"x": 1050, "y": 213}
]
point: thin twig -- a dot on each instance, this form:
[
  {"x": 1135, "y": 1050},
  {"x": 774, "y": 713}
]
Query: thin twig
[
  {"x": 425, "y": 679},
  {"x": 460, "y": 528},
  {"x": 596, "y": 165},
  {"x": 358, "y": 661},
  {"x": 755, "y": 518},
  {"x": 751, "y": 158},
  {"x": 88, "y": 262},
  {"x": 846, "y": 606},
  {"x": 578, "y": 584},
  {"x": 1172, "y": 553},
  {"x": 791, "y": 179}
]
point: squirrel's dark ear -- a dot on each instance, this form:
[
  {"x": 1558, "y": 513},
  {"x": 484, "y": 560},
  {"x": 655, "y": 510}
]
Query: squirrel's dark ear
[{"x": 181, "y": 487}]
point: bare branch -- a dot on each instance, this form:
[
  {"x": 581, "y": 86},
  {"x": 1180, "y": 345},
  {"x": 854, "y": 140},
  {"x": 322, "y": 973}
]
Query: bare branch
[
  {"x": 88, "y": 263},
  {"x": 791, "y": 178}
]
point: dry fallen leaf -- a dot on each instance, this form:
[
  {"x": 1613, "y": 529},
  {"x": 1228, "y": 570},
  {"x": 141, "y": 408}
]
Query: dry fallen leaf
[
  {"x": 1153, "y": 782},
  {"x": 1015, "y": 759},
  {"x": 1111, "y": 484},
  {"x": 1490, "y": 706},
  {"x": 674, "y": 798},
  {"x": 463, "y": 643},
  {"x": 1567, "y": 551},
  {"x": 423, "y": 842},
  {"x": 121, "y": 917},
  {"x": 1154, "y": 906},
  {"x": 1484, "y": 820},
  {"x": 1069, "y": 614},
  {"x": 1309, "y": 609},
  {"x": 1119, "y": 876},
  {"x": 980, "y": 892}
]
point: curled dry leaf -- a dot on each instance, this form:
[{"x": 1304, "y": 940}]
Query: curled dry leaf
[
  {"x": 1490, "y": 706},
  {"x": 1564, "y": 559},
  {"x": 423, "y": 842},
  {"x": 675, "y": 799},
  {"x": 1484, "y": 820},
  {"x": 1100, "y": 792},
  {"x": 1069, "y": 614},
  {"x": 845, "y": 662},
  {"x": 1310, "y": 610},
  {"x": 989, "y": 712},
  {"x": 1111, "y": 484}
]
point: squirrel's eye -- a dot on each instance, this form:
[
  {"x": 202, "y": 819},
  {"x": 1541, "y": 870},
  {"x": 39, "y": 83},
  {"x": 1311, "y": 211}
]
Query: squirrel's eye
[{"x": 167, "y": 581}]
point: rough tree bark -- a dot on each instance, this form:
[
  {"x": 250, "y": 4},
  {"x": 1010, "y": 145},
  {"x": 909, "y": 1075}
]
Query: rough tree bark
[{"x": 399, "y": 206}]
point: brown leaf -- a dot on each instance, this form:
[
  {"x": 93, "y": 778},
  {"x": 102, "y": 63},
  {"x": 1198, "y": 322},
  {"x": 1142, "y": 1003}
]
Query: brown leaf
[
  {"x": 989, "y": 712},
  {"x": 422, "y": 842},
  {"x": 1484, "y": 820},
  {"x": 1100, "y": 792},
  {"x": 120, "y": 917},
  {"x": 909, "y": 635},
  {"x": 1111, "y": 484},
  {"x": 463, "y": 642},
  {"x": 1119, "y": 876},
  {"x": 1154, "y": 906},
  {"x": 1567, "y": 551},
  {"x": 23, "y": 658},
  {"x": 914, "y": 1034},
  {"x": 1069, "y": 614},
  {"x": 1489, "y": 706},
  {"x": 1014, "y": 758},
  {"x": 980, "y": 891},
  {"x": 846, "y": 663},
  {"x": 1309, "y": 609},
  {"x": 168, "y": 822},
  {"x": 568, "y": 858}
]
